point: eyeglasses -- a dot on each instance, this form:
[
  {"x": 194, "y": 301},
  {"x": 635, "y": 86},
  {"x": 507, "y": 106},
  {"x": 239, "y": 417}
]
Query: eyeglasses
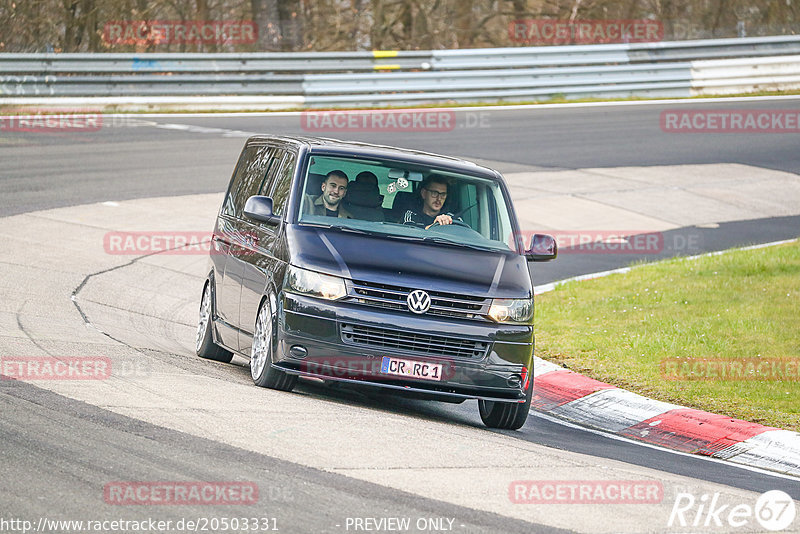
[{"x": 436, "y": 194}]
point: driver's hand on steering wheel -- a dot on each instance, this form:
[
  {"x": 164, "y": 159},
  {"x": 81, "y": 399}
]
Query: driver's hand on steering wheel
[{"x": 442, "y": 219}]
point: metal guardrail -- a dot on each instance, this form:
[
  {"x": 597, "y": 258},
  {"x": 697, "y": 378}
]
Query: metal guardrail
[
  {"x": 152, "y": 84},
  {"x": 271, "y": 62},
  {"x": 715, "y": 49},
  {"x": 616, "y": 53},
  {"x": 671, "y": 69},
  {"x": 733, "y": 76},
  {"x": 494, "y": 79}
]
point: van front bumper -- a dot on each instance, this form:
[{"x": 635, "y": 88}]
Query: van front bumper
[{"x": 348, "y": 342}]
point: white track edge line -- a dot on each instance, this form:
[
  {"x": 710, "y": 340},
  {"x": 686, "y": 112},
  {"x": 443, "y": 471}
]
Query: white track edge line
[{"x": 692, "y": 101}]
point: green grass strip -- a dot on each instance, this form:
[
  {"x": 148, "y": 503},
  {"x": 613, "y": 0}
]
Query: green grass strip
[{"x": 719, "y": 333}]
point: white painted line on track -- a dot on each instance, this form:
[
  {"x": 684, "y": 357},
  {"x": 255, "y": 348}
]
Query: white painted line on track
[{"x": 687, "y": 101}]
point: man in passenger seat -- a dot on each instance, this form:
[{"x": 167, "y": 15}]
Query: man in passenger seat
[{"x": 334, "y": 188}]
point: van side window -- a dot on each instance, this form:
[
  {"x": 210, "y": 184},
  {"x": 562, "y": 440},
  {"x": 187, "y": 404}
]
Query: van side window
[
  {"x": 268, "y": 171},
  {"x": 283, "y": 183},
  {"x": 241, "y": 167},
  {"x": 250, "y": 176},
  {"x": 268, "y": 181}
]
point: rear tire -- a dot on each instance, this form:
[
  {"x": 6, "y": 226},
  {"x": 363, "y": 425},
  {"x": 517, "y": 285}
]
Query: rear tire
[
  {"x": 261, "y": 369},
  {"x": 204, "y": 344},
  {"x": 506, "y": 415}
]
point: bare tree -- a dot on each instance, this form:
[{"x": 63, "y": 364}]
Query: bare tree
[
  {"x": 266, "y": 17},
  {"x": 77, "y": 25}
]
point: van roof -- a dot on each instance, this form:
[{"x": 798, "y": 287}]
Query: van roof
[{"x": 339, "y": 147}]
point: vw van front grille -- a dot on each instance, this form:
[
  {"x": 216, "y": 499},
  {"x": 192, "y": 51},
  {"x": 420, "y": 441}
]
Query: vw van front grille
[
  {"x": 394, "y": 297},
  {"x": 413, "y": 343}
]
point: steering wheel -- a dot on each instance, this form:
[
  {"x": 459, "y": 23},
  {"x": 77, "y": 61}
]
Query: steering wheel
[{"x": 455, "y": 218}]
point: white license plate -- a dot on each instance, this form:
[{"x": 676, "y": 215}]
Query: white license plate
[{"x": 411, "y": 368}]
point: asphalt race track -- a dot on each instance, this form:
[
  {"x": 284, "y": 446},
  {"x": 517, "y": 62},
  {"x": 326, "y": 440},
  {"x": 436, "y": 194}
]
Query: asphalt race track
[
  {"x": 326, "y": 455},
  {"x": 186, "y": 155}
]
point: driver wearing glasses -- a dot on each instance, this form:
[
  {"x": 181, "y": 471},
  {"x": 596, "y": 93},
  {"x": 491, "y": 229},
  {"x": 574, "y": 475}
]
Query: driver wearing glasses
[{"x": 434, "y": 194}]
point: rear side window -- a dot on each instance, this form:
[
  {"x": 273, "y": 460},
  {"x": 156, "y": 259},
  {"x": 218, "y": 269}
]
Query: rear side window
[
  {"x": 284, "y": 172},
  {"x": 251, "y": 178}
]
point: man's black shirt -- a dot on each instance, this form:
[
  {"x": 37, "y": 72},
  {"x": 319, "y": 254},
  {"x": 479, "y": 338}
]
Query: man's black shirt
[
  {"x": 418, "y": 217},
  {"x": 421, "y": 218}
]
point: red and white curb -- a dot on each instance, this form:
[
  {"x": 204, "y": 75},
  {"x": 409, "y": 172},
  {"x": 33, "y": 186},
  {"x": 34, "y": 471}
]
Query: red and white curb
[
  {"x": 587, "y": 402},
  {"x": 590, "y": 403}
]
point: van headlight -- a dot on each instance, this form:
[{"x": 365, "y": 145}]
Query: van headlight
[
  {"x": 315, "y": 284},
  {"x": 511, "y": 310}
]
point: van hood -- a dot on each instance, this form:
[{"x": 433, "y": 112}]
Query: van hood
[{"x": 429, "y": 266}]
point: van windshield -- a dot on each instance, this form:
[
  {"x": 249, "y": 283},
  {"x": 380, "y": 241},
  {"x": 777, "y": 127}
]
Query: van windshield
[{"x": 402, "y": 200}]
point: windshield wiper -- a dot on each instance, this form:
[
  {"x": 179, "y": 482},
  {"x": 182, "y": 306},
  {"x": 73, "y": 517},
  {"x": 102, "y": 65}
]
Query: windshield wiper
[
  {"x": 339, "y": 227},
  {"x": 444, "y": 241}
]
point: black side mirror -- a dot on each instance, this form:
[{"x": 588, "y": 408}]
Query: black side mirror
[
  {"x": 543, "y": 248},
  {"x": 259, "y": 209}
]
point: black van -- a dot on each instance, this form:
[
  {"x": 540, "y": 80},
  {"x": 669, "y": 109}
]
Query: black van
[{"x": 373, "y": 265}]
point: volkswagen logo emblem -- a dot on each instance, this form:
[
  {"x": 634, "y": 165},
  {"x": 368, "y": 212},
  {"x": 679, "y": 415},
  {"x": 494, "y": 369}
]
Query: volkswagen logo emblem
[{"x": 418, "y": 301}]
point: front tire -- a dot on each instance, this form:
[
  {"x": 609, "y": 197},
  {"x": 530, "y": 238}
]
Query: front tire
[
  {"x": 506, "y": 415},
  {"x": 264, "y": 375},
  {"x": 204, "y": 343}
]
